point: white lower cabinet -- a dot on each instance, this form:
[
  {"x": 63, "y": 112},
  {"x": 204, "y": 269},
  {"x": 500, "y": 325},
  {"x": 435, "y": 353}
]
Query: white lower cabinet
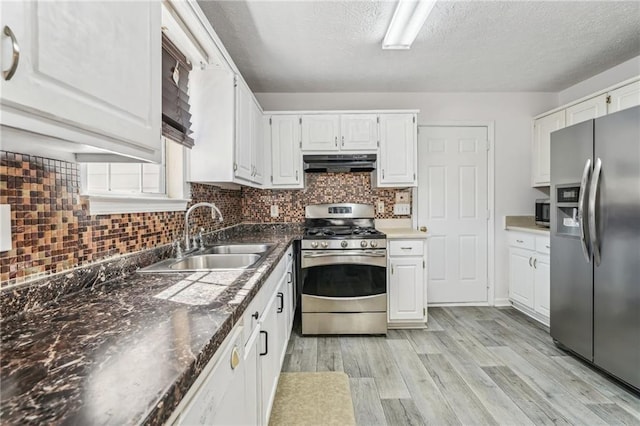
[
  {"x": 406, "y": 288},
  {"x": 529, "y": 274},
  {"x": 238, "y": 385}
]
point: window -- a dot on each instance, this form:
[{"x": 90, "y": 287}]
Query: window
[{"x": 138, "y": 187}]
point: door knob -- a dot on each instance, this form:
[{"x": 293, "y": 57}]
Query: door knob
[{"x": 423, "y": 229}]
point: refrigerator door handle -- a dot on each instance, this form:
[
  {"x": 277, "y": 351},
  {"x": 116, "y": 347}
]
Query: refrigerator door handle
[
  {"x": 584, "y": 182},
  {"x": 593, "y": 226}
]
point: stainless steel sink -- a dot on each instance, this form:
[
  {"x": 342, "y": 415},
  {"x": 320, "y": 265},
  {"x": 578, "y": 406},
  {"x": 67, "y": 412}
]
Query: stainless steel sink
[
  {"x": 215, "y": 261},
  {"x": 215, "y": 258},
  {"x": 238, "y": 249}
]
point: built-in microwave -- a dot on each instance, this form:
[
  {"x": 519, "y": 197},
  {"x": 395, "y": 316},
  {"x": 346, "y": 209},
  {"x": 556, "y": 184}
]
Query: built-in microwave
[{"x": 543, "y": 212}]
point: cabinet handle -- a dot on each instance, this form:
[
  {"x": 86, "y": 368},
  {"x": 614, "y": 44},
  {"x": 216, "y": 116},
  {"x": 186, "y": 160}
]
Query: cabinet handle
[
  {"x": 382, "y": 173},
  {"x": 530, "y": 262},
  {"x": 296, "y": 175},
  {"x": 519, "y": 241},
  {"x": 289, "y": 277},
  {"x": 255, "y": 315},
  {"x": 235, "y": 358},
  {"x": 281, "y": 297},
  {"x": 548, "y": 247},
  {"x": 406, "y": 248},
  {"x": 266, "y": 343},
  {"x": 336, "y": 141},
  {"x": 15, "y": 57},
  {"x": 535, "y": 263},
  {"x": 343, "y": 141}
]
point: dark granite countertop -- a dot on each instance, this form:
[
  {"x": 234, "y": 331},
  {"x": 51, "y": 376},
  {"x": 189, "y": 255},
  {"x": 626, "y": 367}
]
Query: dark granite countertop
[{"x": 125, "y": 351}]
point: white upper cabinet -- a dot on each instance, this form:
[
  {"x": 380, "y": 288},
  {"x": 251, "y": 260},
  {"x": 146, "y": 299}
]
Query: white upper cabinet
[
  {"x": 359, "y": 132},
  {"x": 257, "y": 143},
  {"x": 87, "y": 73},
  {"x": 320, "y": 132},
  {"x": 397, "y": 159},
  {"x": 586, "y": 110},
  {"x": 542, "y": 129},
  {"x": 624, "y": 97},
  {"x": 286, "y": 157},
  {"x": 243, "y": 165}
]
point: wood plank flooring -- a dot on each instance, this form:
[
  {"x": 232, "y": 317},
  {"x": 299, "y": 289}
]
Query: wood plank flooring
[{"x": 471, "y": 366}]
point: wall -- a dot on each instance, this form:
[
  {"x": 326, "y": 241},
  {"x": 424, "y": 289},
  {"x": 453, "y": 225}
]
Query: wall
[
  {"x": 52, "y": 230},
  {"x": 319, "y": 188},
  {"x": 511, "y": 113},
  {"x": 622, "y": 72}
]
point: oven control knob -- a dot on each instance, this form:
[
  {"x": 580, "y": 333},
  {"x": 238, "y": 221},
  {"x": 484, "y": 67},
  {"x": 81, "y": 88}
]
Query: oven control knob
[
  {"x": 324, "y": 244},
  {"x": 373, "y": 244},
  {"x": 363, "y": 243},
  {"x": 314, "y": 244},
  {"x": 344, "y": 244}
]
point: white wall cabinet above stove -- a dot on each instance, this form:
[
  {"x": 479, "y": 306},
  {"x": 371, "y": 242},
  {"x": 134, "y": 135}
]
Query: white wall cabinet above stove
[
  {"x": 339, "y": 132},
  {"x": 602, "y": 103},
  {"x": 286, "y": 156},
  {"x": 95, "y": 93}
]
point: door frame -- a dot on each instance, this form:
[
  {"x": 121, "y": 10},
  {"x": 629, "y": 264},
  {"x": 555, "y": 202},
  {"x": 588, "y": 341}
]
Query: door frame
[{"x": 490, "y": 126}]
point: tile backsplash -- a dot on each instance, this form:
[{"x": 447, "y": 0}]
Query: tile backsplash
[
  {"x": 319, "y": 188},
  {"x": 53, "y": 231}
]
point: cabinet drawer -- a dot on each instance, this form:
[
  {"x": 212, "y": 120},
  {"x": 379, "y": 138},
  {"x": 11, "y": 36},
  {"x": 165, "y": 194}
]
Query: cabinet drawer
[
  {"x": 406, "y": 248},
  {"x": 543, "y": 245},
  {"x": 526, "y": 241}
]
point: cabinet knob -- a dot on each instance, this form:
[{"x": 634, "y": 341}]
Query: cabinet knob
[
  {"x": 423, "y": 229},
  {"x": 255, "y": 315}
]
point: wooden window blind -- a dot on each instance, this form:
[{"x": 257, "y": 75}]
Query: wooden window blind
[{"x": 176, "y": 119}]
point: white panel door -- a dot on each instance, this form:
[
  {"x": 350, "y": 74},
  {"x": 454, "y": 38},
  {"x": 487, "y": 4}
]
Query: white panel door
[
  {"x": 624, "y": 97},
  {"x": 406, "y": 289},
  {"x": 359, "y": 132},
  {"x": 521, "y": 276},
  {"x": 286, "y": 158},
  {"x": 92, "y": 65},
  {"x": 320, "y": 132},
  {"x": 397, "y": 162},
  {"x": 586, "y": 110},
  {"x": 452, "y": 203}
]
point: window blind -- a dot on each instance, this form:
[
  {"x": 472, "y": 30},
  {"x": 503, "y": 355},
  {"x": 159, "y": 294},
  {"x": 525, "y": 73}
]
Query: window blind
[{"x": 176, "y": 119}]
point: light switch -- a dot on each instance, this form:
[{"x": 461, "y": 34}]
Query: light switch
[
  {"x": 401, "y": 209},
  {"x": 5, "y": 227},
  {"x": 380, "y": 207}
]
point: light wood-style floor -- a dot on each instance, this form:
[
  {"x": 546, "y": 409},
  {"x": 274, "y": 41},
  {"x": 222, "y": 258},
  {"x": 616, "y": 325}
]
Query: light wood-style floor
[{"x": 472, "y": 366}]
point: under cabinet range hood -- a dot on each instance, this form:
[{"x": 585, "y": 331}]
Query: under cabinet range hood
[{"x": 339, "y": 163}]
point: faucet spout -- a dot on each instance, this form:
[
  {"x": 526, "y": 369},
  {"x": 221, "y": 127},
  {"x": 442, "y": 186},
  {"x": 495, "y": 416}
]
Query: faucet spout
[{"x": 214, "y": 210}]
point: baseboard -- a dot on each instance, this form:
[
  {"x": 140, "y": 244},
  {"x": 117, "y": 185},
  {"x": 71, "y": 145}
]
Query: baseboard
[
  {"x": 501, "y": 302},
  {"x": 531, "y": 313},
  {"x": 411, "y": 325},
  {"x": 451, "y": 305}
]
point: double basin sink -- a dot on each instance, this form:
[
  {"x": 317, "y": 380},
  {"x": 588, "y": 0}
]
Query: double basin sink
[{"x": 214, "y": 258}]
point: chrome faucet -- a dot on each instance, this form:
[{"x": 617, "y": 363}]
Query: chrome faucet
[{"x": 214, "y": 210}]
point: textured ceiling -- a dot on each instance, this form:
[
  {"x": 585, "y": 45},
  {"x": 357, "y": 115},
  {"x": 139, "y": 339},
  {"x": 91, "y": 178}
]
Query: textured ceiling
[{"x": 334, "y": 46}]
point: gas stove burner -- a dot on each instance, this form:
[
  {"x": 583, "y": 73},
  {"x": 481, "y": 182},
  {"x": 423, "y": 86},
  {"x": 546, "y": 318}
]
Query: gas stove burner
[{"x": 342, "y": 232}]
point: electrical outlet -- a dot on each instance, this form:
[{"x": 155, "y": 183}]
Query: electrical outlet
[
  {"x": 401, "y": 209},
  {"x": 274, "y": 210},
  {"x": 380, "y": 207},
  {"x": 402, "y": 197}
]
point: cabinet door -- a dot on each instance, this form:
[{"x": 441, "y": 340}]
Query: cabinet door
[
  {"x": 284, "y": 313},
  {"x": 244, "y": 104},
  {"x": 398, "y": 150},
  {"x": 542, "y": 128},
  {"x": 521, "y": 276},
  {"x": 92, "y": 66},
  {"x": 320, "y": 132},
  {"x": 252, "y": 380},
  {"x": 542, "y": 280},
  {"x": 359, "y": 132},
  {"x": 406, "y": 288},
  {"x": 257, "y": 143},
  {"x": 269, "y": 358},
  {"x": 624, "y": 97},
  {"x": 286, "y": 158},
  {"x": 586, "y": 110}
]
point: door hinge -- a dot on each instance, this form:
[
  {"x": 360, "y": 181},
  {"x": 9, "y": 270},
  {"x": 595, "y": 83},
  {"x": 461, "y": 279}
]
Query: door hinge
[
  {"x": 378, "y": 119},
  {"x": 378, "y": 143},
  {"x": 488, "y": 145},
  {"x": 414, "y": 119},
  {"x": 270, "y": 122},
  {"x": 424, "y": 311},
  {"x": 235, "y": 167},
  {"x": 414, "y": 176},
  {"x": 424, "y": 264},
  {"x": 300, "y": 144},
  {"x": 235, "y": 81},
  {"x": 300, "y": 120},
  {"x": 271, "y": 178},
  {"x": 608, "y": 99},
  {"x": 392, "y": 270}
]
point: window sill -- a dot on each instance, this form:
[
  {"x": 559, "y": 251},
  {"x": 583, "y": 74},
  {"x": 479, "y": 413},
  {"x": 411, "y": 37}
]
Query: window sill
[{"x": 116, "y": 204}]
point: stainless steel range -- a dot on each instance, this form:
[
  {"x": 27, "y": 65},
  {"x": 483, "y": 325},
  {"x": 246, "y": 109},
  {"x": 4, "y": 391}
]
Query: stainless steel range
[{"x": 344, "y": 271}]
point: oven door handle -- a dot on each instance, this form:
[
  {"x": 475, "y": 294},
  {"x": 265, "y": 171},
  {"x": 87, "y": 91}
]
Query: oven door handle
[{"x": 345, "y": 253}]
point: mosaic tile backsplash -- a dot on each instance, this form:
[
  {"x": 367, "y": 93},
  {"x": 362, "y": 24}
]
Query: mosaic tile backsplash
[
  {"x": 53, "y": 231},
  {"x": 319, "y": 188}
]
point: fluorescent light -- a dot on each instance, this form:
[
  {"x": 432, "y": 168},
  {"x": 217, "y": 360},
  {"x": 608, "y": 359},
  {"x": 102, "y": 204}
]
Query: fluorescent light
[{"x": 406, "y": 23}]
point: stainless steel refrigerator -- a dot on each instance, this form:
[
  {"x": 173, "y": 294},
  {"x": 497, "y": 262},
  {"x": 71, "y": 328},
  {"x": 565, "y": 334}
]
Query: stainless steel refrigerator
[{"x": 595, "y": 242}]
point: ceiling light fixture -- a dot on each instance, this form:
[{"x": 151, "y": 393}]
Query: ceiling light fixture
[{"x": 406, "y": 23}]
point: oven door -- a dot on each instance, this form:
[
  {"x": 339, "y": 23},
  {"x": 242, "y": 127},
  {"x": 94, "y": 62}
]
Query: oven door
[{"x": 344, "y": 280}]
